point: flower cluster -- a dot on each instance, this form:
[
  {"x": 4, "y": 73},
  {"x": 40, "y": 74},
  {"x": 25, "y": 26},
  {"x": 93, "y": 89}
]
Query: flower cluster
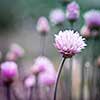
[{"x": 45, "y": 69}]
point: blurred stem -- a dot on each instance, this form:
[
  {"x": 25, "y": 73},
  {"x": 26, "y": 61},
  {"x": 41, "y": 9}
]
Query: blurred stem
[
  {"x": 37, "y": 91},
  {"x": 82, "y": 81},
  {"x": 72, "y": 25},
  {"x": 8, "y": 91},
  {"x": 42, "y": 42},
  {"x": 48, "y": 93},
  {"x": 70, "y": 79},
  {"x": 92, "y": 88},
  {"x": 98, "y": 84},
  {"x": 16, "y": 98},
  {"x": 61, "y": 26},
  {"x": 31, "y": 92},
  {"x": 58, "y": 76}
]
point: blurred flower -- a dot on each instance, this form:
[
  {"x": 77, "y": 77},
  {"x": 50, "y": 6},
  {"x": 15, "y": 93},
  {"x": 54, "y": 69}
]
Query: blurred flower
[
  {"x": 73, "y": 11},
  {"x": 69, "y": 43},
  {"x": 92, "y": 19},
  {"x": 11, "y": 56},
  {"x": 85, "y": 31},
  {"x": 57, "y": 16},
  {"x": 9, "y": 70},
  {"x": 30, "y": 81},
  {"x": 47, "y": 79},
  {"x": 41, "y": 65},
  {"x": 43, "y": 25},
  {"x": 15, "y": 52}
]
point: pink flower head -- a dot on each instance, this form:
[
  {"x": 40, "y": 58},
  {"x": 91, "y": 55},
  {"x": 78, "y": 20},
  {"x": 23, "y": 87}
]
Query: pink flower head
[
  {"x": 42, "y": 25},
  {"x": 47, "y": 79},
  {"x": 9, "y": 70},
  {"x": 11, "y": 56},
  {"x": 41, "y": 65},
  {"x": 69, "y": 43},
  {"x": 73, "y": 11},
  {"x": 30, "y": 81},
  {"x": 85, "y": 31},
  {"x": 92, "y": 19},
  {"x": 16, "y": 50},
  {"x": 57, "y": 16}
]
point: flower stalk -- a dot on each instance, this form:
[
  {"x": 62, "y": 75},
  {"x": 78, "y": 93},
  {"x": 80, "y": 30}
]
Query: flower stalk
[
  {"x": 8, "y": 91},
  {"x": 31, "y": 92},
  {"x": 42, "y": 42},
  {"x": 70, "y": 79},
  {"x": 58, "y": 76}
]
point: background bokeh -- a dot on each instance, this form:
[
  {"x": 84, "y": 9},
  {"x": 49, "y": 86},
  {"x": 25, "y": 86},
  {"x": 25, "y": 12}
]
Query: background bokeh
[{"x": 18, "y": 20}]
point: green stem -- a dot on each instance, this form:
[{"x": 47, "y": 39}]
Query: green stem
[
  {"x": 42, "y": 42},
  {"x": 58, "y": 76}
]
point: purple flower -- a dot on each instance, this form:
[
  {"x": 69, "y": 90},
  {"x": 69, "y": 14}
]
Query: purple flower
[
  {"x": 47, "y": 79},
  {"x": 69, "y": 43},
  {"x": 85, "y": 31},
  {"x": 57, "y": 16},
  {"x": 44, "y": 67},
  {"x": 41, "y": 64},
  {"x": 43, "y": 25},
  {"x": 92, "y": 19},
  {"x": 9, "y": 70},
  {"x": 30, "y": 81},
  {"x": 15, "y": 52},
  {"x": 73, "y": 11}
]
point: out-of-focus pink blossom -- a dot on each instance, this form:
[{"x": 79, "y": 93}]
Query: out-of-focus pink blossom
[
  {"x": 41, "y": 64},
  {"x": 47, "y": 79},
  {"x": 9, "y": 70},
  {"x": 73, "y": 11},
  {"x": 69, "y": 43},
  {"x": 15, "y": 51},
  {"x": 30, "y": 81},
  {"x": 85, "y": 31},
  {"x": 43, "y": 25},
  {"x": 92, "y": 18},
  {"x": 57, "y": 16},
  {"x": 11, "y": 56}
]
